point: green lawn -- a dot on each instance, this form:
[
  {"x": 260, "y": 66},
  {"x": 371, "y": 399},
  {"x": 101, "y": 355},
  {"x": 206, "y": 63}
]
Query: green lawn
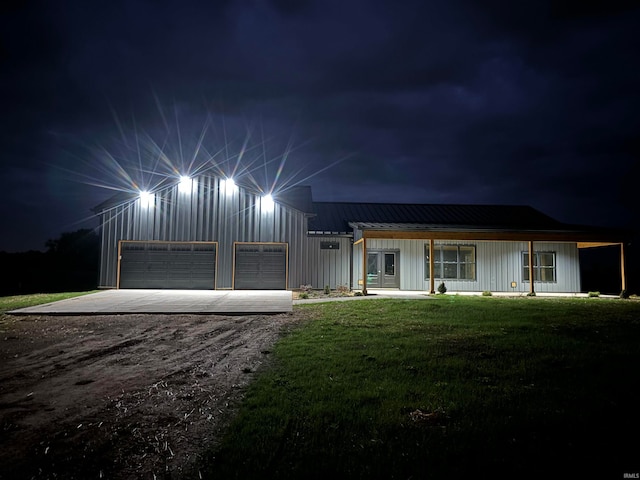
[
  {"x": 452, "y": 387},
  {"x": 23, "y": 301}
]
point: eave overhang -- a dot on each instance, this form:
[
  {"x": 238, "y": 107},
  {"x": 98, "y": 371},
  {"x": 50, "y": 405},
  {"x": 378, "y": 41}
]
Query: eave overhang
[{"x": 588, "y": 237}]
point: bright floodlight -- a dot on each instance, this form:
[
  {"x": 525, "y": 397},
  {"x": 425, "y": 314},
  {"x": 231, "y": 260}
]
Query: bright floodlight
[
  {"x": 228, "y": 186},
  {"x": 186, "y": 184},
  {"x": 147, "y": 199},
  {"x": 267, "y": 202}
]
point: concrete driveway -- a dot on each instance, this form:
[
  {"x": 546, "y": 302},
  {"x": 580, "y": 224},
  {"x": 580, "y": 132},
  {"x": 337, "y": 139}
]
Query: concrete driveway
[{"x": 229, "y": 302}]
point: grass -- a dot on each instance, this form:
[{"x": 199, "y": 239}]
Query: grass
[
  {"x": 22, "y": 301},
  {"x": 451, "y": 387}
]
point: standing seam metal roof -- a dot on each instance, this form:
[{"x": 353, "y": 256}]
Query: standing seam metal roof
[{"x": 336, "y": 216}]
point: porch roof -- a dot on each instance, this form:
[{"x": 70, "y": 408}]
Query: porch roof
[{"x": 464, "y": 222}]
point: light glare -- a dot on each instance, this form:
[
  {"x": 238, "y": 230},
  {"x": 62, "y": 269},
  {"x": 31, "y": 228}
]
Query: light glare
[
  {"x": 267, "y": 202},
  {"x": 228, "y": 186},
  {"x": 186, "y": 184},
  {"x": 147, "y": 199}
]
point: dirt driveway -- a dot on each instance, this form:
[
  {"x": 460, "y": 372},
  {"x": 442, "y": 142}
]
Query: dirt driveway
[{"x": 123, "y": 396}]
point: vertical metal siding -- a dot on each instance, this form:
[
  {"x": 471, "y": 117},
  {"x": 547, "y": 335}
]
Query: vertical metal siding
[
  {"x": 328, "y": 267},
  {"x": 497, "y": 265},
  {"x": 210, "y": 214},
  {"x": 206, "y": 214}
]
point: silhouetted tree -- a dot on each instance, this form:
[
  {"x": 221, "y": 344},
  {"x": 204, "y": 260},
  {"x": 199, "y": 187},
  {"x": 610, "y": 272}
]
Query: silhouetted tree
[{"x": 70, "y": 263}]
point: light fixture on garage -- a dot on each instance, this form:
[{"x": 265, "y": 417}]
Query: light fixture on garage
[
  {"x": 267, "y": 203},
  {"x": 147, "y": 199},
  {"x": 186, "y": 184},
  {"x": 228, "y": 186}
]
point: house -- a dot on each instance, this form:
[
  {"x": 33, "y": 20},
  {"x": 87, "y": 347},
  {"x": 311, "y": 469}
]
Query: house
[{"x": 209, "y": 233}]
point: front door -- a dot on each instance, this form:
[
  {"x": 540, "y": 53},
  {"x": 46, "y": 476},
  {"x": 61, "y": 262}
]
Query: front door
[{"x": 382, "y": 269}]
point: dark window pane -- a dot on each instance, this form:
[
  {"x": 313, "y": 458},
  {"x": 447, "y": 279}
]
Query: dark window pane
[
  {"x": 372, "y": 264},
  {"x": 449, "y": 253},
  {"x": 546, "y": 259},
  {"x": 389, "y": 264},
  {"x": 548, "y": 274},
  {"x": 450, "y": 270},
  {"x": 468, "y": 254},
  {"x": 467, "y": 271}
]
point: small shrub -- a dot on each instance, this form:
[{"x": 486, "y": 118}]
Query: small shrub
[
  {"x": 359, "y": 294},
  {"x": 327, "y": 290},
  {"x": 306, "y": 288},
  {"x": 624, "y": 294},
  {"x": 343, "y": 289},
  {"x": 442, "y": 289},
  {"x": 486, "y": 293},
  {"x": 594, "y": 294},
  {"x": 303, "y": 295}
]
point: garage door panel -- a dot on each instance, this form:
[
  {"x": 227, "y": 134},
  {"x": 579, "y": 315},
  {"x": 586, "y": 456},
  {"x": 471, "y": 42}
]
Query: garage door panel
[
  {"x": 168, "y": 265},
  {"x": 260, "y": 267}
]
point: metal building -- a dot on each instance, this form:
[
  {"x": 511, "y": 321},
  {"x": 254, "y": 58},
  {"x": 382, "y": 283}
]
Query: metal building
[{"x": 208, "y": 233}]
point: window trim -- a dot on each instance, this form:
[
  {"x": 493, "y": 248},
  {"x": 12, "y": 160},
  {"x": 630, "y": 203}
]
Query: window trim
[
  {"x": 525, "y": 266},
  {"x": 438, "y": 271}
]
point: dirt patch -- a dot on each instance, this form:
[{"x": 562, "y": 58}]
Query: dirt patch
[{"x": 123, "y": 396}]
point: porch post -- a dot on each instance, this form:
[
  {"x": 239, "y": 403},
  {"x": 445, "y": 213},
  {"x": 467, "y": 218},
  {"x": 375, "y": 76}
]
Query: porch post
[
  {"x": 364, "y": 265},
  {"x": 432, "y": 281},
  {"x": 623, "y": 277},
  {"x": 531, "y": 276}
]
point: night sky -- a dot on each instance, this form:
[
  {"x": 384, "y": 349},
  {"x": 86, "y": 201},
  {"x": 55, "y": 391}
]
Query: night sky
[{"x": 530, "y": 102}]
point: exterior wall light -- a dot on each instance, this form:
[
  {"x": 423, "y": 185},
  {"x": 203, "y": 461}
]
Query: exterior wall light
[
  {"x": 228, "y": 186},
  {"x": 147, "y": 199},
  {"x": 185, "y": 185},
  {"x": 266, "y": 203}
]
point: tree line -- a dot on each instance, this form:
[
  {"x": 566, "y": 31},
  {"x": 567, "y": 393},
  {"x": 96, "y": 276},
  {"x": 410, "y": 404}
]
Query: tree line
[{"x": 70, "y": 263}]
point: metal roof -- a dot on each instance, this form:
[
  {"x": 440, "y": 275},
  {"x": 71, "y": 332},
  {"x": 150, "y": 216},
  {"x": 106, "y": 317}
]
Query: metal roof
[
  {"x": 340, "y": 218},
  {"x": 337, "y": 216}
]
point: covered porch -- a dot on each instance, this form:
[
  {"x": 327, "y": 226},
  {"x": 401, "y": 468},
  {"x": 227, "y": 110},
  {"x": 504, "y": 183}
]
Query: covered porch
[{"x": 420, "y": 257}]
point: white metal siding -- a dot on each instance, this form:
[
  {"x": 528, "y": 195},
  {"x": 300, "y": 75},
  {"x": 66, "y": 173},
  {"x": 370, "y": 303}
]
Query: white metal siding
[
  {"x": 206, "y": 214},
  {"x": 328, "y": 267},
  {"x": 497, "y": 265}
]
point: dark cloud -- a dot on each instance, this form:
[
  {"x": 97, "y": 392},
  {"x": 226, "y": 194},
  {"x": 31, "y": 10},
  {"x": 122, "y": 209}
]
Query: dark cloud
[{"x": 528, "y": 103}]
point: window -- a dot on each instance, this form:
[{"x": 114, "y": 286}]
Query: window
[
  {"x": 389, "y": 264},
  {"x": 454, "y": 262},
  {"x": 544, "y": 266}
]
